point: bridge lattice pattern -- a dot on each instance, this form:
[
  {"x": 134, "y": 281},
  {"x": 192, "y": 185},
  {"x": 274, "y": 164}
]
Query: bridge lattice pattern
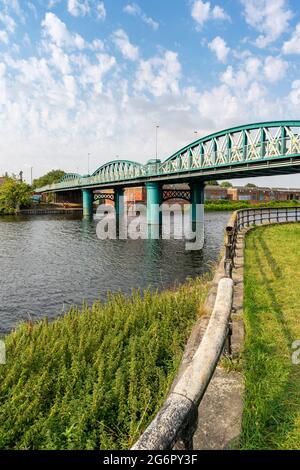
[
  {"x": 184, "y": 194},
  {"x": 250, "y": 144},
  {"x": 104, "y": 197}
]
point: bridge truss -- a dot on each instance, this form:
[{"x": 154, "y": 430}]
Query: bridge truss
[{"x": 247, "y": 148}]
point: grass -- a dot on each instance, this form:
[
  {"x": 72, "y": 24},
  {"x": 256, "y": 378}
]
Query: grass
[
  {"x": 225, "y": 205},
  {"x": 96, "y": 377},
  {"x": 271, "y": 418}
]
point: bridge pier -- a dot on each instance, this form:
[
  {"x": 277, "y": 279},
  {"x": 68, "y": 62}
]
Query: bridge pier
[
  {"x": 154, "y": 200},
  {"x": 119, "y": 201},
  {"x": 197, "y": 201},
  {"x": 87, "y": 202}
]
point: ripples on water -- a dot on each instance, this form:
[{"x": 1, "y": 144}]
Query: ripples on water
[{"x": 51, "y": 262}]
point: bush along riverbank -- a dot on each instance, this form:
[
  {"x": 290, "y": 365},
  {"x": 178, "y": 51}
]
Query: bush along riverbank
[
  {"x": 14, "y": 194},
  {"x": 271, "y": 418},
  {"x": 95, "y": 378}
]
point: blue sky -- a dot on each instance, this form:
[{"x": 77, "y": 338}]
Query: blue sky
[{"x": 81, "y": 77}]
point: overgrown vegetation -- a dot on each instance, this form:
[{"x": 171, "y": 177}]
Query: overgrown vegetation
[
  {"x": 95, "y": 378},
  {"x": 271, "y": 417},
  {"x": 14, "y": 194}
]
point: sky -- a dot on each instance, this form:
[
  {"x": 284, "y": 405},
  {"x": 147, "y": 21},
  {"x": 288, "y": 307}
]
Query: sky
[{"x": 89, "y": 80}]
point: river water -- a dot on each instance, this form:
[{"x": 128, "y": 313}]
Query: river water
[{"x": 51, "y": 262}]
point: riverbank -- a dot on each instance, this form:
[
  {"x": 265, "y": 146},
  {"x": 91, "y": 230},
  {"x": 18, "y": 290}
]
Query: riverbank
[
  {"x": 210, "y": 206},
  {"x": 96, "y": 377},
  {"x": 223, "y": 205},
  {"x": 271, "y": 418}
]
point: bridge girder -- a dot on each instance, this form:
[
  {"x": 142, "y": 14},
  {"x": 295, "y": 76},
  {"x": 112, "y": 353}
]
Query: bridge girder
[{"x": 260, "y": 149}]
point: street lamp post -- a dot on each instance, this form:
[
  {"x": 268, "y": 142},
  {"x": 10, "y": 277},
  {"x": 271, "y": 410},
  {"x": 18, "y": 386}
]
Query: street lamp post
[
  {"x": 156, "y": 141},
  {"x": 89, "y": 163}
]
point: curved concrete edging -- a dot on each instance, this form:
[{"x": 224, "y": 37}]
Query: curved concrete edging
[
  {"x": 184, "y": 398},
  {"x": 220, "y": 410}
]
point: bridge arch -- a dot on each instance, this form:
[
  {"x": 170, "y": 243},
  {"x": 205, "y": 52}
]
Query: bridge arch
[
  {"x": 247, "y": 143},
  {"x": 70, "y": 177},
  {"x": 118, "y": 170}
]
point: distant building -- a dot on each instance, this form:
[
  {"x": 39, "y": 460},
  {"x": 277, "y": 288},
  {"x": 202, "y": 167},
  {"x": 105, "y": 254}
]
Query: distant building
[
  {"x": 215, "y": 193},
  {"x": 257, "y": 194},
  {"x": 2, "y": 180}
]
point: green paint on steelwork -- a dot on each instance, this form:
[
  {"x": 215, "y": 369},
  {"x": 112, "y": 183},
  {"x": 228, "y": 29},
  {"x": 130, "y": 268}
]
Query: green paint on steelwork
[
  {"x": 154, "y": 200},
  {"x": 191, "y": 159},
  {"x": 197, "y": 199},
  {"x": 87, "y": 202}
]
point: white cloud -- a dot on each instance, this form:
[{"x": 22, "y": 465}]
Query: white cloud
[
  {"x": 92, "y": 73},
  {"x": 4, "y": 36},
  {"x": 254, "y": 69},
  {"x": 293, "y": 45},
  {"x": 59, "y": 59},
  {"x": 218, "y": 13},
  {"x": 57, "y": 31},
  {"x": 248, "y": 72},
  {"x": 294, "y": 95},
  {"x": 203, "y": 11},
  {"x": 159, "y": 75},
  {"x": 271, "y": 18},
  {"x": 8, "y": 22},
  {"x": 135, "y": 10},
  {"x": 219, "y": 47},
  {"x": 101, "y": 11},
  {"x": 78, "y": 7},
  {"x": 275, "y": 68},
  {"x": 128, "y": 50}
]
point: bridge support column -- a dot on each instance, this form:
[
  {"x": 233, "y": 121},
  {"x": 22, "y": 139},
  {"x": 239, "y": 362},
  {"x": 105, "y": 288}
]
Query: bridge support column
[
  {"x": 197, "y": 201},
  {"x": 154, "y": 200},
  {"x": 87, "y": 202},
  {"x": 119, "y": 201}
]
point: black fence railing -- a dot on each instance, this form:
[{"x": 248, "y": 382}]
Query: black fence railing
[{"x": 245, "y": 218}]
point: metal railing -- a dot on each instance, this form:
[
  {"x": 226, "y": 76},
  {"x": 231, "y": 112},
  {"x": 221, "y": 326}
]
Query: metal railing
[
  {"x": 176, "y": 422},
  {"x": 246, "y": 218}
]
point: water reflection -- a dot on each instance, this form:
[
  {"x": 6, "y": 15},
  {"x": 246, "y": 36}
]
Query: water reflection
[{"x": 51, "y": 262}]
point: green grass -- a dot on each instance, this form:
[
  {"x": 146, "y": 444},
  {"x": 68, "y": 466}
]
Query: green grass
[
  {"x": 225, "y": 205},
  {"x": 96, "y": 377},
  {"x": 271, "y": 418}
]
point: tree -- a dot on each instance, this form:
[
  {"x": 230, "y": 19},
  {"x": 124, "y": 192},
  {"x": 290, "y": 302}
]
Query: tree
[
  {"x": 53, "y": 176},
  {"x": 211, "y": 183},
  {"x": 14, "y": 194},
  {"x": 250, "y": 185},
  {"x": 226, "y": 184}
]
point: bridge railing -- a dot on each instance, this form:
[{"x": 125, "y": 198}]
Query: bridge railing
[
  {"x": 214, "y": 153},
  {"x": 176, "y": 422}
]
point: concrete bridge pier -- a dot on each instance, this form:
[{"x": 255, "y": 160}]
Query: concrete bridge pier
[
  {"x": 197, "y": 201},
  {"x": 87, "y": 202},
  {"x": 154, "y": 200}
]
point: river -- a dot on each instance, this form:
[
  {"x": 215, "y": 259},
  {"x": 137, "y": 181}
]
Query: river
[{"x": 51, "y": 262}]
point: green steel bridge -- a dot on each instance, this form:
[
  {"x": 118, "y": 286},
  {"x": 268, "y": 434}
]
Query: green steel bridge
[{"x": 261, "y": 149}]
